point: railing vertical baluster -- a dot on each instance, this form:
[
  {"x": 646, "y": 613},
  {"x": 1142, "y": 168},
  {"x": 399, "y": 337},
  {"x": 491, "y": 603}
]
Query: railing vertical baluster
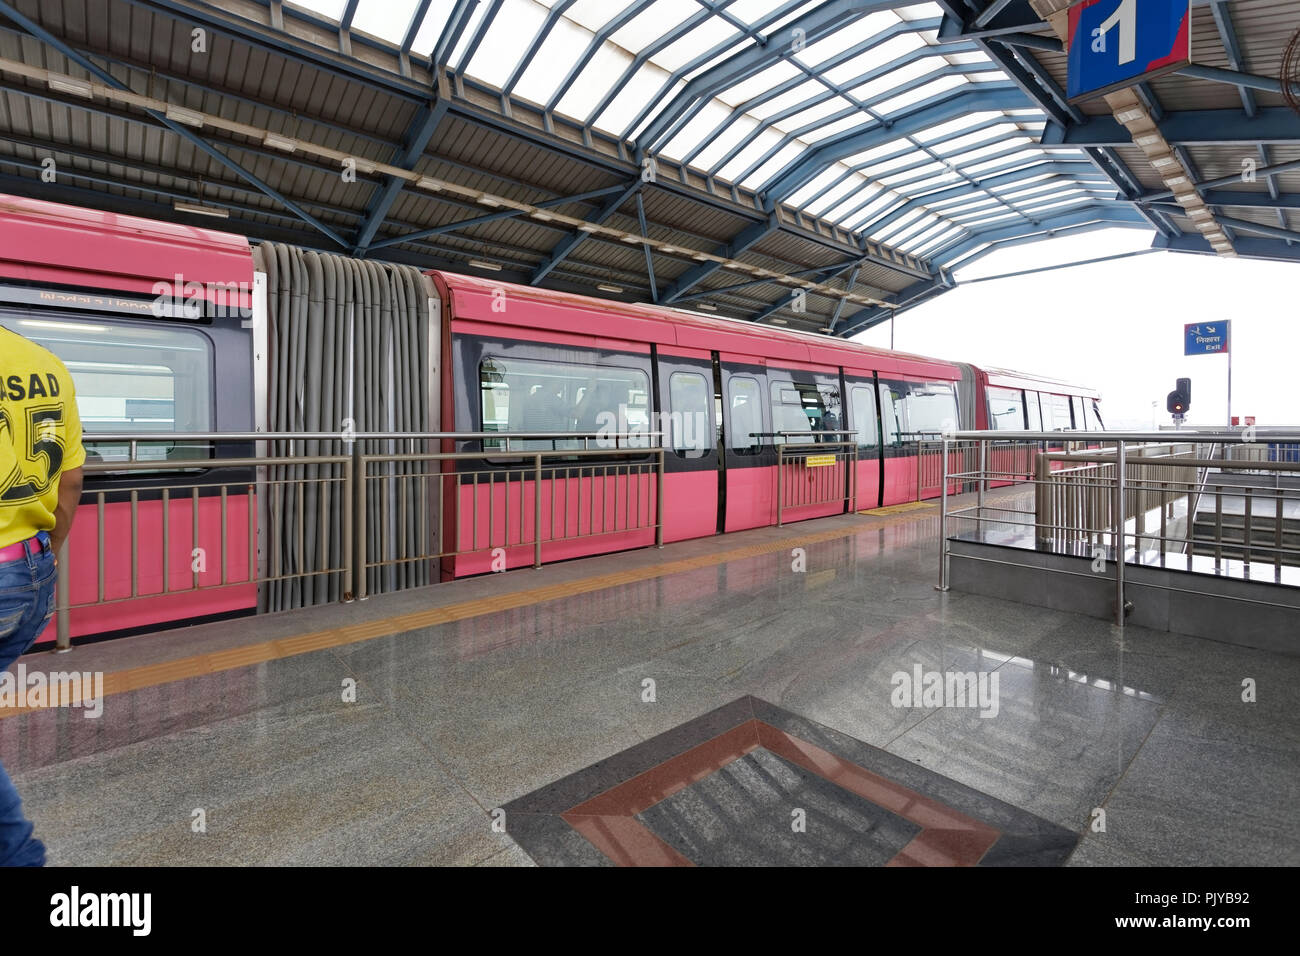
[{"x": 537, "y": 510}]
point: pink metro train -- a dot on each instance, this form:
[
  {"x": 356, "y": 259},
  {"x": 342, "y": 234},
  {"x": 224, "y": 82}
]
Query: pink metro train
[{"x": 272, "y": 338}]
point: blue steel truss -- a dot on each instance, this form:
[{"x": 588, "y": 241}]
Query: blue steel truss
[{"x": 921, "y": 134}]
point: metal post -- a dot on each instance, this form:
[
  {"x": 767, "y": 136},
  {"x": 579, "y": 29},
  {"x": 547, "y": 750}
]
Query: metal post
[
  {"x": 1119, "y": 536},
  {"x": 63, "y": 598},
  {"x": 537, "y": 510},
  {"x": 349, "y": 556},
  {"x": 920, "y": 453},
  {"x": 780, "y": 483},
  {"x": 659, "y": 502},
  {"x": 359, "y": 546},
  {"x": 983, "y": 482},
  {"x": 943, "y": 523}
]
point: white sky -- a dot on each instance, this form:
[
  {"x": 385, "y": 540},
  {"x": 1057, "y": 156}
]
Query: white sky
[{"x": 1118, "y": 326}]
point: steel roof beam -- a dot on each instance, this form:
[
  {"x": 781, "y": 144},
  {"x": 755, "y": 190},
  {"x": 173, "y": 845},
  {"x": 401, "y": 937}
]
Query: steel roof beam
[
  {"x": 575, "y": 238},
  {"x": 1275, "y": 124},
  {"x": 924, "y": 115},
  {"x": 928, "y": 200},
  {"x": 1228, "y": 198},
  {"x": 644, "y": 55},
  {"x": 785, "y": 301},
  {"x": 839, "y": 306},
  {"x": 1249, "y": 246},
  {"x": 418, "y": 138},
  {"x": 1259, "y": 229},
  {"x": 1228, "y": 34},
  {"x": 904, "y": 299},
  {"x": 831, "y": 92},
  {"x": 805, "y": 74},
  {"x": 1073, "y": 230},
  {"x": 629, "y": 13},
  {"x": 728, "y": 289},
  {"x": 855, "y": 108},
  {"x": 702, "y": 59},
  {"x": 177, "y": 129},
  {"x": 1089, "y": 212},
  {"x": 494, "y": 217},
  {"x": 909, "y": 150},
  {"x": 748, "y": 237},
  {"x": 645, "y": 246},
  {"x": 815, "y": 25}
]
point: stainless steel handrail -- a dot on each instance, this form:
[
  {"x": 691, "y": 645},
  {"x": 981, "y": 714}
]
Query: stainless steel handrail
[{"x": 1136, "y": 471}]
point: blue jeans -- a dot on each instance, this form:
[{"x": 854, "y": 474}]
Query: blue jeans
[{"x": 26, "y": 606}]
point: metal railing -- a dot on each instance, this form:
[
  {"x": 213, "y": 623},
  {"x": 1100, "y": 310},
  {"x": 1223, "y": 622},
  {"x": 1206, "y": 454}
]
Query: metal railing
[
  {"x": 1139, "y": 498},
  {"x": 332, "y": 513},
  {"x": 822, "y": 471}
]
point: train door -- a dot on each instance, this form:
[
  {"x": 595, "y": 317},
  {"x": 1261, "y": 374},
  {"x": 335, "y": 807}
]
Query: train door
[
  {"x": 686, "y": 419},
  {"x": 749, "y": 455},
  {"x": 914, "y": 415},
  {"x": 804, "y": 403},
  {"x": 864, "y": 419}
]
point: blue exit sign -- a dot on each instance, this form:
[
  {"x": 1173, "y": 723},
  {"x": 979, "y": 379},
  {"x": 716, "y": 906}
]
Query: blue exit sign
[
  {"x": 1206, "y": 338},
  {"x": 1117, "y": 43}
]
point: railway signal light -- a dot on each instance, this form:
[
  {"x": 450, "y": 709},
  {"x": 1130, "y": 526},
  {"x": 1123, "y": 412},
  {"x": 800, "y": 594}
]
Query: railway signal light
[{"x": 1180, "y": 399}]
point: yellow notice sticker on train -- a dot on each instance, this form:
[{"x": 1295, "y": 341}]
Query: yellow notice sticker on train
[{"x": 819, "y": 461}]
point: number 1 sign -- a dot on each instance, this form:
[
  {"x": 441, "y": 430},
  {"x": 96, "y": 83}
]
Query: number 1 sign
[{"x": 1117, "y": 43}]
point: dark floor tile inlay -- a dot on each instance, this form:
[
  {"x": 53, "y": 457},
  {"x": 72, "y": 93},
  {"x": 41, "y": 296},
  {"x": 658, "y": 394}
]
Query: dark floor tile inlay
[
  {"x": 762, "y": 810},
  {"x": 750, "y": 784}
]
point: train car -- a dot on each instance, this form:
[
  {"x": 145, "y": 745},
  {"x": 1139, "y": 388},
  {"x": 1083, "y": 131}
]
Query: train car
[
  {"x": 171, "y": 328},
  {"x": 149, "y": 351}
]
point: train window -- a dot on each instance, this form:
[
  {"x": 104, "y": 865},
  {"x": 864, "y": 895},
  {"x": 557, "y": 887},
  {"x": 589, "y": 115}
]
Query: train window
[
  {"x": 1060, "y": 412},
  {"x": 131, "y": 378},
  {"x": 525, "y": 395},
  {"x": 799, "y": 407},
  {"x": 1096, "y": 414},
  {"x": 688, "y": 414},
  {"x": 1033, "y": 412},
  {"x": 1007, "y": 408},
  {"x": 1076, "y": 406},
  {"x": 864, "y": 416},
  {"x": 744, "y": 398},
  {"x": 891, "y": 411},
  {"x": 931, "y": 410}
]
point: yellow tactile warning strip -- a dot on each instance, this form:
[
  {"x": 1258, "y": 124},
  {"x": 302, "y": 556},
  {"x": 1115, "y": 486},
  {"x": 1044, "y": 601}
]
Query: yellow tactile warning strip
[
  {"x": 117, "y": 682},
  {"x": 899, "y": 509}
]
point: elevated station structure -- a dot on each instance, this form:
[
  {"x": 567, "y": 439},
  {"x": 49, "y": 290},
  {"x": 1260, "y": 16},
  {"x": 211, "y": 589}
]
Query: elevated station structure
[{"x": 820, "y": 164}]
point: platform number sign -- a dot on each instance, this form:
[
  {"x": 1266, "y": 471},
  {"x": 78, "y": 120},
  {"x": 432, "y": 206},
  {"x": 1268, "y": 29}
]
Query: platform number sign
[{"x": 1117, "y": 43}]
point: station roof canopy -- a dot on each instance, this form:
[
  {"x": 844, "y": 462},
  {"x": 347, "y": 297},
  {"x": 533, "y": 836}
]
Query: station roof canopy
[{"x": 816, "y": 163}]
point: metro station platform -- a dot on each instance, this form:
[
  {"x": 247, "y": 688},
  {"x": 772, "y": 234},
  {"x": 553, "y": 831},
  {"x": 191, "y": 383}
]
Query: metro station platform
[{"x": 399, "y": 730}]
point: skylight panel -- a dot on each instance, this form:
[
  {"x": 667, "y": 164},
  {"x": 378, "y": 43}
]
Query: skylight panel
[
  {"x": 759, "y": 83},
  {"x": 563, "y": 46},
  {"x": 790, "y": 98},
  {"x": 505, "y": 42},
  {"x": 388, "y": 20},
  {"x": 903, "y": 100},
  {"x": 859, "y": 31},
  {"x": 586, "y": 92},
  {"x": 698, "y": 41}
]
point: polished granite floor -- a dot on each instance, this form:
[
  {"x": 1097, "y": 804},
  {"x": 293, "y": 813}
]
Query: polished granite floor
[{"x": 269, "y": 764}]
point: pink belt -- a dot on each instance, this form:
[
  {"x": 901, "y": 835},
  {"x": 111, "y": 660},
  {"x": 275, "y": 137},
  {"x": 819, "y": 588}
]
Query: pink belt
[{"x": 19, "y": 551}]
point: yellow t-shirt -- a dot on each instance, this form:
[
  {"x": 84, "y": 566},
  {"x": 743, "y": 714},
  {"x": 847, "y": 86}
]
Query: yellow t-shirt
[{"x": 40, "y": 436}]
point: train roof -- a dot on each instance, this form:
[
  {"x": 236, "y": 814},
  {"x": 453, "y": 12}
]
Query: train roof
[
  {"x": 53, "y": 243},
  {"x": 1008, "y": 378},
  {"x": 472, "y": 299}
]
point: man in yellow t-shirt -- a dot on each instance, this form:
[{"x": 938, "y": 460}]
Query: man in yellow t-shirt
[{"x": 40, "y": 485}]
